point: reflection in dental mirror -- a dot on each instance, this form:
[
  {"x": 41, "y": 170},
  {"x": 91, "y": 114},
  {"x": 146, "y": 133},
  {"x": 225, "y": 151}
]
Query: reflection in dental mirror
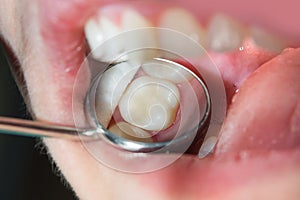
[{"x": 147, "y": 101}]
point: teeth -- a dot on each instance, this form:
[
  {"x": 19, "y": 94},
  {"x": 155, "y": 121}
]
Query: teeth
[
  {"x": 182, "y": 21},
  {"x": 267, "y": 40},
  {"x": 132, "y": 20},
  {"x": 167, "y": 71},
  {"x": 225, "y": 34},
  {"x": 93, "y": 33},
  {"x": 150, "y": 103},
  {"x": 110, "y": 89},
  {"x": 99, "y": 31},
  {"x": 130, "y": 132}
]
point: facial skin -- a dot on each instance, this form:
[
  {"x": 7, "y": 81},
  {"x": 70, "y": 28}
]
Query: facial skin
[{"x": 266, "y": 107}]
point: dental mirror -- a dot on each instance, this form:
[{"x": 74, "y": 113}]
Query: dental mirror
[{"x": 149, "y": 102}]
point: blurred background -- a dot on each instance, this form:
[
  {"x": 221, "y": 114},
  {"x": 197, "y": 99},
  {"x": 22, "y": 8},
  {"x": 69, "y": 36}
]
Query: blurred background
[{"x": 26, "y": 172}]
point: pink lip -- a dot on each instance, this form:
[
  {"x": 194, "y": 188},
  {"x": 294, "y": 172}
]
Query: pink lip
[{"x": 63, "y": 35}]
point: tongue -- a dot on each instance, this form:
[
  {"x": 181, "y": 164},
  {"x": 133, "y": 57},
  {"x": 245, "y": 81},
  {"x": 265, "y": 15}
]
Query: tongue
[{"x": 265, "y": 113}]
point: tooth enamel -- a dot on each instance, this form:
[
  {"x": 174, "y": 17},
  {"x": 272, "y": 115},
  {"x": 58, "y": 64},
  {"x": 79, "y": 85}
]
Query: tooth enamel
[
  {"x": 267, "y": 40},
  {"x": 93, "y": 33},
  {"x": 132, "y": 20},
  {"x": 225, "y": 34},
  {"x": 150, "y": 103},
  {"x": 110, "y": 89},
  {"x": 130, "y": 132},
  {"x": 166, "y": 71},
  {"x": 97, "y": 32},
  {"x": 182, "y": 21}
]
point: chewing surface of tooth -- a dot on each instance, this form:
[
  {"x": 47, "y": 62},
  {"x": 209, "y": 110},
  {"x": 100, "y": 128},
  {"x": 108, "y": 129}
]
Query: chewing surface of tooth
[
  {"x": 267, "y": 40},
  {"x": 182, "y": 21},
  {"x": 225, "y": 34},
  {"x": 150, "y": 103},
  {"x": 130, "y": 132},
  {"x": 110, "y": 89},
  {"x": 167, "y": 71}
]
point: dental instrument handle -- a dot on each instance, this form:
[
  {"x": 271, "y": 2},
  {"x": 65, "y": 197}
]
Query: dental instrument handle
[{"x": 13, "y": 126}]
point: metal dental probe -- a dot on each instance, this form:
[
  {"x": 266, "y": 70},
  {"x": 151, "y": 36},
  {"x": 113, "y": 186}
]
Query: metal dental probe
[{"x": 13, "y": 126}]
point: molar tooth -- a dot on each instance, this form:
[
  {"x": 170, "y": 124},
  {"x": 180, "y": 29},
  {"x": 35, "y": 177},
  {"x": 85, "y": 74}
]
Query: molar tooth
[
  {"x": 150, "y": 103},
  {"x": 111, "y": 88},
  {"x": 225, "y": 34},
  {"x": 130, "y": 132},
  {"x": 181, "y": 20},
  {"x": 267, "y": 40}
]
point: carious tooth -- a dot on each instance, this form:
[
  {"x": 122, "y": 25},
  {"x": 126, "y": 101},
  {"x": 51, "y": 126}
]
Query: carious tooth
[
  {"x": 181, "y": 20},
  {"x": 167, "y": 71},
  {"x": 130, "y": 132},
  {"x": 150, "y": 103},
  {"x": 225, "y": 34},
  {"x": 267, "y": 40},
  {"x": 110, "y": 89},
  {"x": 131, "y": 20}
]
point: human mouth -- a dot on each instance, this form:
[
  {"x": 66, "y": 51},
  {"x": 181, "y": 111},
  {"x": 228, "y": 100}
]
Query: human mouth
[
  {"x": 237, "y": 49},
  {"x": 233, "y": 62}
]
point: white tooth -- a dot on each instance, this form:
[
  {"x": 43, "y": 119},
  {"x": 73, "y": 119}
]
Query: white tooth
[
  {"x": 113, "y": 49},
  {"x": 131, "y": 20},
  {"x": 167, "y": 71},
  {"x": 110, "y": 89},
  {"x": 130, "y": 132},
  {"x": 94, "y": 35},
  {"x": 182, "y": 21},
  {"x": 150, "y": 103},
  {"x": 97, "y": 32},
  {"x": 225, "y": 34},
  {"x": 267, "y": 40}
]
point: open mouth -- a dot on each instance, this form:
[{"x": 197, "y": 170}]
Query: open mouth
[{"x": 241, "y": 49}]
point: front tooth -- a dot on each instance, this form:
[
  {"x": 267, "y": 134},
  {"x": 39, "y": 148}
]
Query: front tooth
[
  {"x": 167, "y": 71},
  {"x": 267, "y": 40},
  {"x": 150, "y": 103},
  {"x": 182, "y": 21},
  {"x": 225, "y": 34},
  {"x": 110, "y": 88},
  {"x": 130, "y": 132},
  {"x": 98, "y": 31},
  {"x": 93, "y": 33},
  {"x": 137, "y": 40}
]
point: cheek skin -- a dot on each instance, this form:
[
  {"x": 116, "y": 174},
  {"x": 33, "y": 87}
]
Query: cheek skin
[{"x": 10, "y": 24}]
